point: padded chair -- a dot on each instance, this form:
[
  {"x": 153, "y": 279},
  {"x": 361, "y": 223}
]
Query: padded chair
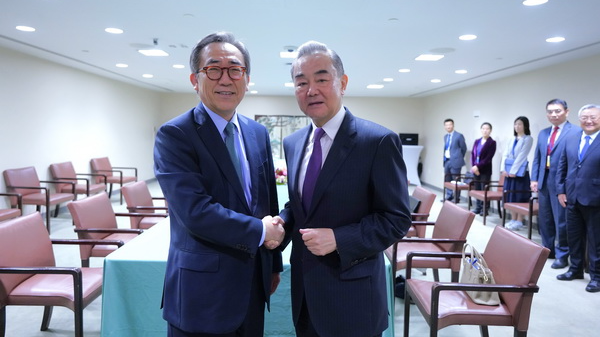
[
  {"x": 114, "y": 174},
  {"x": 65, "y": 171},
  {"x": 528, "y": 209},
  {"x": 516, "y": 263},
  {"x": 11, "y": 213},
  {"x": 492, "y": 191},
  {"x": 94, "y": 218},
  {"x": 449, "y": 234},
  {"x": 426, "y": 199},
  {"x": 456, "y": 185},
  {"x": 139, "y": 200},
  {"x": 25, "y": 181},
  {"x": 29, "y": 276}
]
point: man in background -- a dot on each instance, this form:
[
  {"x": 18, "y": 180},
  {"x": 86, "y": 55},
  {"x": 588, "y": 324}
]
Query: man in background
[
  {"x": 552, "y": 217},
  {"x": 455, "y": 148},
  {"x": 216, "y": 171},
  {"x": 348, "y": 203},
  {"x": 578, "y": 187}
]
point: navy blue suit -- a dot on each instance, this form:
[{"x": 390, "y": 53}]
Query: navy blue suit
[
  {"x": 362, "y": 194},
  {"x": 214, "y": 251},
  {"x": 552, "y": 217},
  {"x": 580, "y": 181}
]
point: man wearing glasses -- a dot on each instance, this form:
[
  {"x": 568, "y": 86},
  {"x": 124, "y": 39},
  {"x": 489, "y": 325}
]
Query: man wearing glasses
[
  {"x": 578, "y": 186},
  {"x": 216, "y": 171},
  {"x": 552, "y": 218}
]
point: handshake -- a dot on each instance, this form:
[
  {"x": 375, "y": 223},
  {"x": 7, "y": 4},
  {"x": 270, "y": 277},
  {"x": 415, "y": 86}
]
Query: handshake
[{"x": 274, "y": 231}]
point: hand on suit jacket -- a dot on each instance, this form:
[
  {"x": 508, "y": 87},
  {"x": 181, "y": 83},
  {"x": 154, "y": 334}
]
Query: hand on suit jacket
[
  {"x": 274, "y": 232},
  {"x": 562, "y": 198},
  {"x": 319, "y": 241}
]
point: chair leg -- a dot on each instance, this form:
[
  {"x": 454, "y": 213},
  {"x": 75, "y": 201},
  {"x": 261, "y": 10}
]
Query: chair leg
[
  {"x": 56, "y": 210},
  {"x": 499, "y": 210},
  {"x": 48, "y": 211},
  {"x": 436, "y": 275},
  {"x": 519, "y": 333},
  {"x": 2, "y": 321},
  {"x": 484, "y": 331},
  {"x": 85, "y": 263},
  {"x": 47, "y": 317},
  {"x": 110, "y": 190},
  {"x": 407, "y": 300},
  {"x": 454, "y": 276}
]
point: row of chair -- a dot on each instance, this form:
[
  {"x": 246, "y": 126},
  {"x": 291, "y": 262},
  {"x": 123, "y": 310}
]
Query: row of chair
[
  {"x": 25, "y": 187},
  {"x": 494, "y": 191},
  {"x": 28, "y": 272},
  {"x": 444, "y": 304}
]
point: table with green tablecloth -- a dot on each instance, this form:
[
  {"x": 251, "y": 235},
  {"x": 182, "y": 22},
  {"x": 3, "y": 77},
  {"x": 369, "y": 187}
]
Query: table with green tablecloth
[{"x": 133, "y": 284}]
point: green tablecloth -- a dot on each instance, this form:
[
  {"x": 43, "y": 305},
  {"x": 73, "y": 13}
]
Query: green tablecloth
[{"x": 133, "y": 284}]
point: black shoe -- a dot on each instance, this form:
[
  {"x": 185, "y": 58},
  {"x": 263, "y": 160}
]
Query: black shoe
[
  {"x": 559, "y": 263},
  {"x": 478, "y": 211},
  {"x": 569, "y": 276},
  {"x": 593, "y": 287}
]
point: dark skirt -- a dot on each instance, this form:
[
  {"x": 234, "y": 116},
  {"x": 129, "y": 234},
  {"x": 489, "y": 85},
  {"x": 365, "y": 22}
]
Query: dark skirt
[{"x": 518, "y": 184}]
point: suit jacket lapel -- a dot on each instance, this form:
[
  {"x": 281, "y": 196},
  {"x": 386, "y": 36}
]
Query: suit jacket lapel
[
  {"x": 295, "y": 163},
  {"x": 216, "y": 147},
  {"x": 563, "y": 134}
]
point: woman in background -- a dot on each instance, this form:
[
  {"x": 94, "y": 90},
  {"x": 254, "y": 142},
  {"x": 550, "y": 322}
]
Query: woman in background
[
  {"x": 483, "y": 151},
  {"x": 516, "y": 168}
]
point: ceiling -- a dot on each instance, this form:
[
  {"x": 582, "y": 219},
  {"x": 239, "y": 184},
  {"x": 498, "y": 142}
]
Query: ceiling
[{"x": 375, "y": 38}]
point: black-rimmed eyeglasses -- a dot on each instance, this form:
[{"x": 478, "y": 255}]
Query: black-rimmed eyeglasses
[{"x": 215, "y": 73}]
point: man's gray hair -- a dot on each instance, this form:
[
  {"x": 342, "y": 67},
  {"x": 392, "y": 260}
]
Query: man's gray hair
[{"x": 314, "y": 47}]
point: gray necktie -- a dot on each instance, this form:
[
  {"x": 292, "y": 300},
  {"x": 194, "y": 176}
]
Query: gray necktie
[{"x": 230, "y": 143}]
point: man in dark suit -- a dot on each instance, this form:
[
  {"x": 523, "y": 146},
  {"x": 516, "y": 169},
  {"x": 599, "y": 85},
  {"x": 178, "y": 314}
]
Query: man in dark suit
[
  {"x": 578, "y": 187},
  {"x": 216, "y": 171},
  {"x": 348, "y": 203},
  {"x": 552, "y": 217},
  {"x": 455, "y": 148}
]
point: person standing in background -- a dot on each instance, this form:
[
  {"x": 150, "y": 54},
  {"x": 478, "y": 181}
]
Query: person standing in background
[
  {"x": 216, "y": 171},
  {"x": 482, "y": 154},
  {"x": 348, "y": 203},
  {"x": 454, "y": 156},
  {"x": 552, "y": 217},
  {"x": 578, "y": 186},
  {"x": 516, "y": 167}
]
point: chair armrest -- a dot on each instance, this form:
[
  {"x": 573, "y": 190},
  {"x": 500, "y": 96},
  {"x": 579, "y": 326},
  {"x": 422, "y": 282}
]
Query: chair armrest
[
  {"x": 158, "y": 208},
  {"x": 419, "y": 215},
  {"x": 61, "y": 182},
  {"x": 75, "y": 271},
  {"x": 505, "y": 288},
  {"x": 143, "y": 215},
  {"x": 81, "y": 242},
  {"x": 127, "y": 168},
  {"x": 109, "y": 230},
  {"x": 423, "y": 223},
  {"x": 93, "y": 175},
  {"x": 16, "y": 195},
  {"x": 431, "y": 240}
]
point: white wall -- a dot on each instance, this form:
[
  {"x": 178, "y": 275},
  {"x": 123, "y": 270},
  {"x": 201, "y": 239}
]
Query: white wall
[
  {"x": 50, "y": 113},
  {"x": 500, "y": 102}
]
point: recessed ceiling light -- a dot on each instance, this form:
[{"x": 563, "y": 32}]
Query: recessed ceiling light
[
  {"x": 153, "y": 52},
  {"x": 254, "y": 92},
  {"x": 429, "y": 57},
  {"x": 388, "y": 79},
  {"x": 436, "y": 80},
  {"x": 555, "y": 39},
  {"x": 114, "y": 30},
  {"x": 534, "y": 2},
  {"x": 288, "y": 54},
  {"x": 404, "y": 70},
  {"x": 178, "y": 66},
  {"x": 121, "y": 65},
  {"x": 375, "y": 86},
  {"x": 250, "y": 84},
  {"x": 25, "y": 28},
  {"x": 147, "y": 76},
  {"x": 467, "y": 37},
  {"x": 288, "y": 84},
  {"x": 460, "y": 71}
]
